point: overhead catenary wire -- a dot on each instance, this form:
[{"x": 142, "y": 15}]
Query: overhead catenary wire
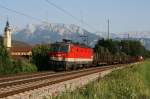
[
  {"x": 38, "y": 19},
  {"x": 108, "y": 22},
  {"x": 69, "y": 14},
  {"x": 20, "y": 13}
]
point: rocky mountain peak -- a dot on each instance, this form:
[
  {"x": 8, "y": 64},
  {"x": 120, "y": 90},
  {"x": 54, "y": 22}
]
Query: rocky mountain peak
[{"x": 48, "y": 33}]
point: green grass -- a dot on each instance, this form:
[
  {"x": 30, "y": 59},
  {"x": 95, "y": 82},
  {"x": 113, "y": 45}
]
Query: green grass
[
  {"x": 145, "y": 72},
  {"x": 129, "y": 83}
]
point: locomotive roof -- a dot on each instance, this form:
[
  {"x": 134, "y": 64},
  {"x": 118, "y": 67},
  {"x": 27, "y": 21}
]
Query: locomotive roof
[{"x": 68, "y": 43}]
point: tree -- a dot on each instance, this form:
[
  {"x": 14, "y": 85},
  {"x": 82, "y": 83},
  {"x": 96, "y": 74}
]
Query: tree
[
  {"x": 132, "y": 47},
  {"x": 128, "y": 47},
  {"x": 40, "y": 57},
  {"x": 112, "y": 45},
  {"x": 6, "y": 65}
]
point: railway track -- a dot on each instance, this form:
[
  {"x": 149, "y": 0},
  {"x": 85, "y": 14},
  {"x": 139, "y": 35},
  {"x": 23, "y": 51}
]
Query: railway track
[
  {"x": 23, "y": 76},
  {"x": 20, "y": 84}
]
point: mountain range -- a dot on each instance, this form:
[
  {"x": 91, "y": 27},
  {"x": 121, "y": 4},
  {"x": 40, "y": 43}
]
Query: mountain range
[{"x": 49, "y": 33}]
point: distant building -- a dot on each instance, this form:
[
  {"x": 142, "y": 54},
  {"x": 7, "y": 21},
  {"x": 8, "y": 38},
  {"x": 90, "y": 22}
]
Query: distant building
[
  {"x": 15, "y": 52},
  {"x": 21, "y": 52}
]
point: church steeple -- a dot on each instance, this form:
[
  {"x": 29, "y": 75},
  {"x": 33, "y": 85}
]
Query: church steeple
[
  {"x": 7, "y": 35},
  {"x": 7, "y": 27},
  {"x": 7, "y": 24}
]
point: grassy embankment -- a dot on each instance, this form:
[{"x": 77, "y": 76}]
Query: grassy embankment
[{"x": 129, "y": 83}]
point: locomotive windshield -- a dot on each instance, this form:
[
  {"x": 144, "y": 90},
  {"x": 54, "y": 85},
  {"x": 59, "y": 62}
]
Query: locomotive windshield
[{"x": 59, "y": 48}]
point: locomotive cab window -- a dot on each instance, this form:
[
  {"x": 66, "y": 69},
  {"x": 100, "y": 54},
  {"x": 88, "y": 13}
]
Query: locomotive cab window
[
  {"x": 64, "y": 48},
  {"x": 59, "y": 48}
]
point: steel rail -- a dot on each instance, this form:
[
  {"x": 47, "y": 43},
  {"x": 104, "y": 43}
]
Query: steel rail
[{"x": 56, "y": 78}]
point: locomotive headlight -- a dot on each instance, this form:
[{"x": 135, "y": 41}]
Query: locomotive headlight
[
  {"x": 58, "y": 55},
  {"x": 51, "y": 58}
]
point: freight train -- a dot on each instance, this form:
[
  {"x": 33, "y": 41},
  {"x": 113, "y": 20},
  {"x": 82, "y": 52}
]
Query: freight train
[{"x": 70, "y": 56}]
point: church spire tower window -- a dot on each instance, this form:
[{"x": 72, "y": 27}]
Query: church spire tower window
[{"x": 7, "y": 35}]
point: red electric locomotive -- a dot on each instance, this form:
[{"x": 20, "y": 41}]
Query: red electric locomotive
[{"x": 69, "y": 56}]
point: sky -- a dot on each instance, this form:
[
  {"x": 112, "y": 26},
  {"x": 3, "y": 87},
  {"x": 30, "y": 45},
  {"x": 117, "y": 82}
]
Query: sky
[{"x": 124, "y": 15}]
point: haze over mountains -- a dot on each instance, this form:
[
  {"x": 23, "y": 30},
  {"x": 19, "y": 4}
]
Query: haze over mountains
[
  {"x": 143, "y": 37},
  {"x": 49, "y": 33},
  {"x": 16, "y": 43}
]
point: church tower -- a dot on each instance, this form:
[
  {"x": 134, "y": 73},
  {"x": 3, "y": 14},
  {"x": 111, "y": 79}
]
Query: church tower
[{"x": 7, "y": 35}]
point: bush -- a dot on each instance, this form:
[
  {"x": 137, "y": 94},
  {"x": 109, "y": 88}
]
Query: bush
[
  {"x": 23, "y": 66},
  {"x": 40, "y": 57},
  {"x": 8, "y": 66},
  {"x": 129, "y": 83}
]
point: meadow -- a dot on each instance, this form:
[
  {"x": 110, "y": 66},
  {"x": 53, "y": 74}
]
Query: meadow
[{"x": 128, "y": 83}]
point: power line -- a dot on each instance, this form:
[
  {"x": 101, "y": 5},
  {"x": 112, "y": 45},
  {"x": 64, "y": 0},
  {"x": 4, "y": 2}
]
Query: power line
[
  {"x": 69, "y": 14},
  {"x": 20, "y": 13},
  {"x": 38, "y": 19}
]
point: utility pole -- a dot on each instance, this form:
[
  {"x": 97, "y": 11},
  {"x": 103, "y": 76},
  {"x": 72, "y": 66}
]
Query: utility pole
[
  {"x": 128, "y": 44},
  {"x": 128, "y": 36},
  {"x": 82, "y": 20},
  {"x": 108, "y": 28}
]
